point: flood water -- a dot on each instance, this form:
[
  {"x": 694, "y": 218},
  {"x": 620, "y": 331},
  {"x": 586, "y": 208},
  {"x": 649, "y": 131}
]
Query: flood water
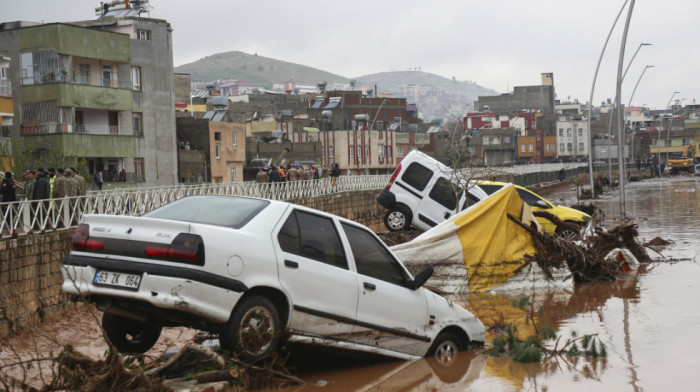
[{"x": 648, "y": 323}]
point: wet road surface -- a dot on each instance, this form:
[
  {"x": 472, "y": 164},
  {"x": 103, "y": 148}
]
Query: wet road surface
[{"x": 648, "y": 323}]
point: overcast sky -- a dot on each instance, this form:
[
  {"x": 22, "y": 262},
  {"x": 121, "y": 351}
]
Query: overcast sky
[{"x": 496, "y": 43}]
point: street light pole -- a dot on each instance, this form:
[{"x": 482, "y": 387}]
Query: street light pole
[
  {"x": 620, "y": 130},
  {"x": 590, "y": 101},
  {"x": 658, "y": 142},
  {"x": 610, "y": 112},
  {"x": 629, "y": 104}
]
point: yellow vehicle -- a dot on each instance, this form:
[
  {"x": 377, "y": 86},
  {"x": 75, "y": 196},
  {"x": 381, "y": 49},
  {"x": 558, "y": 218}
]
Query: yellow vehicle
[
  {"x": 538, "y": 203},
  {"x": 686, "y": 162}
]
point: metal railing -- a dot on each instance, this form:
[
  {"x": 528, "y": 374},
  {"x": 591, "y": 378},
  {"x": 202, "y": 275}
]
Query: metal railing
[{"x": 36, "y": 216}]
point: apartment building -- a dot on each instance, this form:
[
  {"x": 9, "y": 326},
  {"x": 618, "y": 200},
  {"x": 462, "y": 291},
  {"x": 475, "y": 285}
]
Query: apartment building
[{"x": 101, "y": 90}]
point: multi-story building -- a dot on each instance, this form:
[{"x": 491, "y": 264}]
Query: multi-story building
[
  {"x": 537, "y": 148},
  {"x": 359, "y": 150},
  {"x": 540, "y": 98},
  {"x": 572, "y": 138},
  {"x": 100, "y": 90}
]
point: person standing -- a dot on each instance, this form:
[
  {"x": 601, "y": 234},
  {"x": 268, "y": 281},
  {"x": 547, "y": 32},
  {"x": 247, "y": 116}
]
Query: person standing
[
  {"x": 292, "y": 174},
  {"x": 52, "y": 180},
  {"x": 71, "y": 184},
  {"x": 82, "y": 185},
  {"x": 262, "y": 177},
  {"x": 8, "y": 188},
  {"x": 99, "y": 179},
  {"x": 42, "y": 191},
  {"x": 59, "y": 185},
  {"x": 335, "y": 173},
  {"x": 29, "y": 182}
]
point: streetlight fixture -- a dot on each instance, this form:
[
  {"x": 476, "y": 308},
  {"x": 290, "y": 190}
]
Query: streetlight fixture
[{"x": 590, "y": 101}]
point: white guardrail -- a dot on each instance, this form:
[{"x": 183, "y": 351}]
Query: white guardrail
[{"x": 37, "y": 216}]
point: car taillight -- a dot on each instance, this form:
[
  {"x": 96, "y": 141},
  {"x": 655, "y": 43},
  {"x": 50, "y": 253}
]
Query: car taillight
[
  {"x": 81, "y": 239},
  {"x": 185, "y": 247},
  {"x": 393, "y": 177}
]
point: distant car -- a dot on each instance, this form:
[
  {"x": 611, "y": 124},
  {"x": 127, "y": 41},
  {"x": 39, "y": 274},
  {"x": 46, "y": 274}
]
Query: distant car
[
  {"x": 422, "y": 192},
  {"x": 249, "y": 269},
  {"x": 539, "y": 203}
]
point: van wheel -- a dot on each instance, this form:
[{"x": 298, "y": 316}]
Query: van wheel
[{"x": 397, "y": 219}]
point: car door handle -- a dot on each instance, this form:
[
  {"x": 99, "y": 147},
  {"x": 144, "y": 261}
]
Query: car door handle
[
  {"x": 447, "y": 215},
  {"x": 291, "y": 264},
  {"x": 370, "y": 286}
]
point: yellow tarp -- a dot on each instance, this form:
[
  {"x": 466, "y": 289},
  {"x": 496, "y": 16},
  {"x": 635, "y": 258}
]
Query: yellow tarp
[
  {"x": 490, "y": 245},
  {"x": 493, "y": 245}
]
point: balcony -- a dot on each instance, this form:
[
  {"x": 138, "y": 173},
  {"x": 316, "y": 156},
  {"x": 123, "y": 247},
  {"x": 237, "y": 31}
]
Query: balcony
[{"x": 85, "y": 129}]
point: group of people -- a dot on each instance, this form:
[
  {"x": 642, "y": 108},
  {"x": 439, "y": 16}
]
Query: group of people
[
  {"x": 289, "y": 174},
  {"x": 53, "y": 184}
]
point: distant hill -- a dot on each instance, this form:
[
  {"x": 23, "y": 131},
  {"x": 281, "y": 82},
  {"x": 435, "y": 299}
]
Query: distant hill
[
  {"x": 437, "y": 97},
  {"x": 255, "y": 69}
]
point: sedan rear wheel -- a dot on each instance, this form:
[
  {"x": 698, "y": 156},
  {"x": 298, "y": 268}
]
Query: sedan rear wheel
[
  {"x": 253, "y": 331},
  {"x": 129, "y": 335}
]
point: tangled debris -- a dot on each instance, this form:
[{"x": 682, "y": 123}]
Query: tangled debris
[
  {"x": 586, "y": 258},
  {"x": 589, "y": 209},
  {"x": 658, "y": 241}
]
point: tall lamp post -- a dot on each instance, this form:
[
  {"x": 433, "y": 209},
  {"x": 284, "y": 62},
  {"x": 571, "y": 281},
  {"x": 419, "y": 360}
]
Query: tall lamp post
[
  {"x": 629, "y": 104},
  {"x": 620, "y": 130},
  {"x": 616, "y": 103},
  {"x": 590, "y": 101},
  {"x": 668, "y": 131},
  {"x": 658, "y": 142}
]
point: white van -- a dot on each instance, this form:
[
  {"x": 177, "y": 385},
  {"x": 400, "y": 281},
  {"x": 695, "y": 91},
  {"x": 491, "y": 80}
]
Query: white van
[{"x": 422, "y": 192}]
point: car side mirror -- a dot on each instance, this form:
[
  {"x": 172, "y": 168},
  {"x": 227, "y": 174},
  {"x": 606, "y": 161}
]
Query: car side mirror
[
  {"x": 421, "y": 278},
  {"x": 542, "y": 204}
]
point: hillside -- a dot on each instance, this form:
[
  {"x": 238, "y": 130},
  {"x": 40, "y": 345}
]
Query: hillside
[
  {"x": 437, "y": 96},
  {"x": 255, "y": 69}
]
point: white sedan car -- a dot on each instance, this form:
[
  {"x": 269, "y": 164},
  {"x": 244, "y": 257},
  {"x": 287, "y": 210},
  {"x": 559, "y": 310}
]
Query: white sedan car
[{"x": 249, "y": 269}]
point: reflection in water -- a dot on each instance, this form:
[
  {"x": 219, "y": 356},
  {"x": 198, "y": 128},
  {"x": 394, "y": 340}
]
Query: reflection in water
[{"x": 647, "y": 322}]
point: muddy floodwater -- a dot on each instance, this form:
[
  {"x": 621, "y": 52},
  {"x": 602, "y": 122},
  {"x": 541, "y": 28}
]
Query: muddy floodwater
[{"x": 648, "y": 323}]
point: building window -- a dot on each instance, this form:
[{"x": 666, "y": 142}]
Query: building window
[
  {"x": 144, "y": 35},
  {"x": 539, "y": 137},
  {"x": 136, "y": 78},
  {"x": 217, "y": 136},
  {"x": 3, "y": 73},
  {"x": 139, "y": 171},
  {"x": 138, "y": 123},
  {"x": 522, "y": 147},
  {"x": 233, "y": 174},
  {"x": 234, "y": 137},
  {"x": 352, "y": 151},
  {"x": 569, "y": 147},
  {"x": 84, "y": 76},
  {"x": 388, "y": 151},
  {"x": 546, "y": 147},
  {"x": 330, "y": 153},
  {"x": 580, "y": 131},
  {"x": 107, "y": 76},
  {"x": 561, "y": 146},
  {"x": 667, "y": 142},
  {"x": 561, "y": 131},
  {"x": 359, "y": 151},
  {"x": 380, "y": 151},
  {"x": 506, "y": 139},
  {"x": 530, "y": 149},
  {"x": 218, "y": 151},
  {"x": 552, "y": 148},
  {"x": 568, "y": 131},
  {"x": 399, "y": 152},
  {"x": 580, "y": 147}
]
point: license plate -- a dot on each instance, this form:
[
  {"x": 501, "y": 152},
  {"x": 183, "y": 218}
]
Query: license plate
[{"x": 117, "y": 279}]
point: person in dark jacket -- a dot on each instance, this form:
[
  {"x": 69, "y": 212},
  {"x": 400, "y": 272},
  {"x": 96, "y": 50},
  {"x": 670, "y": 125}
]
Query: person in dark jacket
[
  {"x": 7, "y": 188},
  {"x": 41, "y": 192}
]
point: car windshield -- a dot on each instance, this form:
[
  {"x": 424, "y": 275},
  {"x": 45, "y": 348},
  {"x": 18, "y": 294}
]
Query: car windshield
[{"x": 225, "y": 211}]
